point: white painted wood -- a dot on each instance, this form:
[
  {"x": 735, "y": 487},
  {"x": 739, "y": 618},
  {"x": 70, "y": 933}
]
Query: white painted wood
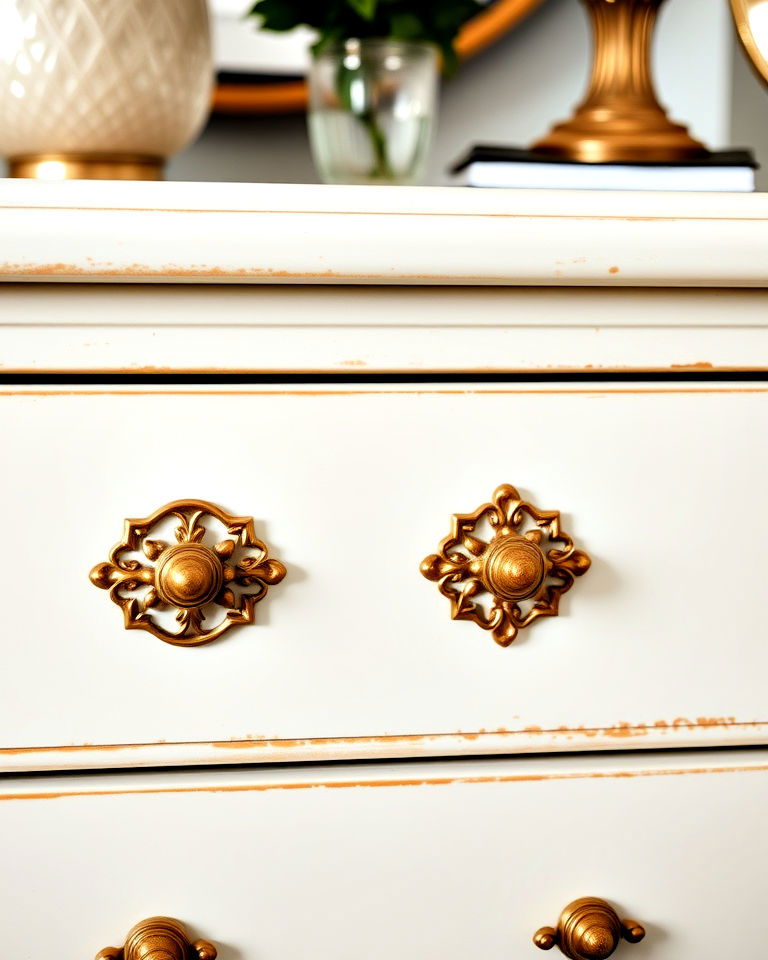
[
  {"x": 409, "y": 746},
  {"x": 269, "y": 328},
  {"x": 311, "y": 234},
  {"x": 663, "y": 642},
  {"x": 449, "y": 860}
]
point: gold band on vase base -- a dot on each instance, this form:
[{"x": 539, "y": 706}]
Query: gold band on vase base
[
  {"x": 620, "y": 120},
  {"x": 86, "y": 166}
]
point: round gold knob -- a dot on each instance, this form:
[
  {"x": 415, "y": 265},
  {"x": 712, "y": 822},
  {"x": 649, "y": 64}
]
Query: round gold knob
[
  {"x": 513, "y": 568},
  {"x": 588, "y": 929},
  {"x": 159, "y": 938},
  {"x": 188, "y": 575}
]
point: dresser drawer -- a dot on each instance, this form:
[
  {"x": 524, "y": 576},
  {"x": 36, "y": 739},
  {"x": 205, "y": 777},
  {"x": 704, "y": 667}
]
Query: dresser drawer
[
  {"x": 448, "y": 859},
  {"x": 354, "y": 653}
]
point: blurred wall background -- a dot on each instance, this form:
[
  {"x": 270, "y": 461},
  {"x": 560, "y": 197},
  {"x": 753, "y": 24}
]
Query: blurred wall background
[
  {"x": 513, "y": 91},
  {"x": 749, "y": 113}
]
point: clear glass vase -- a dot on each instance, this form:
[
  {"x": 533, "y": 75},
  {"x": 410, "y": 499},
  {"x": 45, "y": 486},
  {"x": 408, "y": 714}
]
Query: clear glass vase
[{"x": 371, "y": 110}]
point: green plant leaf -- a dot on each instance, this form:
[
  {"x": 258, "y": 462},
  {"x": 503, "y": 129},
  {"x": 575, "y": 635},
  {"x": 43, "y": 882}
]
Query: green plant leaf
[
  {"x": 433, "y": 21},
  {"x": 345, "y": 79},
  {"x": 365, "y": 8},
  {"x": 327, "y": 39},
  {"x": 407, "y": 25},
  {"x": 277, "y": 15}
]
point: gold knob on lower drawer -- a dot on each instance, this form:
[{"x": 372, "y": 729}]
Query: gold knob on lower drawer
[
  {"x": 188, "y": 576},
  {"x": 588, "y": 929},
  {"x": 159, "y": 938},
  {"x": 525, "y": 566}
]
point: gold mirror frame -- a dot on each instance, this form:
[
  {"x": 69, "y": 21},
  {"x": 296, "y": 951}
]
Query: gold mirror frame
[
  {"x": 291, "y": 96},
  {"x": 741, "y": 10}
]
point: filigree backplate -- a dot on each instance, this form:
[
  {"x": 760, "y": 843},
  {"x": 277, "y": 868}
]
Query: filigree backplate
[
  {"x": 188, "y": 576},
  {"x": 523, "y": 572}
]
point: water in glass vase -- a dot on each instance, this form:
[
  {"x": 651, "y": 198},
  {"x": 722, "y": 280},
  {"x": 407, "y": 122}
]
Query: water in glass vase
[{"x": 353, "y": 148}]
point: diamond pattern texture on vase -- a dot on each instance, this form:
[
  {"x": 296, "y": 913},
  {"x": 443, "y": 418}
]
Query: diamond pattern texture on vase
[{"x": 103, "y": 76}]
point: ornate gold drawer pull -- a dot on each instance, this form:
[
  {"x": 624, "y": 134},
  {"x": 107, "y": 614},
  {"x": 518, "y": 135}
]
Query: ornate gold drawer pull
[
  {"x": 159, "y": 938},
  {"x": 524, "y": 571},
  {"x": 588, "y": 929},
  {"x": 188, "y": 575}
]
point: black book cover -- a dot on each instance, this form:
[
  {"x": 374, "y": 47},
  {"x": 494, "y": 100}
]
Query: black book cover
[{"x": 496, "y": 154}]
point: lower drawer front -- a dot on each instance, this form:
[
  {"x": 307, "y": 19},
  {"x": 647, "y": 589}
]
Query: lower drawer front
[{"x": 452, "y": 860}]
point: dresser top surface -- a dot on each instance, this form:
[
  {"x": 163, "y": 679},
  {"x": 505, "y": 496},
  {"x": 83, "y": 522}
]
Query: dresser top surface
[
  {"x": 281, "y": 233},
  {"x": 392, "y": 201}
]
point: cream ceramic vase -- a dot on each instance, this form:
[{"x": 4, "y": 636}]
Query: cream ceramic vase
[{"x": 101, "y": 89}]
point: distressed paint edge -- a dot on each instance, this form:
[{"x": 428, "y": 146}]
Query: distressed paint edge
[
  {"x": 679, "y": 734},
  {"x": 424, "y": 781},
  {"x": 356, "y": 367},
  {"x": 238, "y": 275},
  {"x": 588, "y": 389}
]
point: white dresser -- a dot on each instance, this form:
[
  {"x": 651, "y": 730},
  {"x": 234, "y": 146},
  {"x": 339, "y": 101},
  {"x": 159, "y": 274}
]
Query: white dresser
[{"x": 425, "y": 535}]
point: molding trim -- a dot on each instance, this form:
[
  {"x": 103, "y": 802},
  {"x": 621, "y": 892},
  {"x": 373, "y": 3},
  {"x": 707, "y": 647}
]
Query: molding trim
[
  {"x": 679, "y": 733},
  {"x": 327, "y": 235}
]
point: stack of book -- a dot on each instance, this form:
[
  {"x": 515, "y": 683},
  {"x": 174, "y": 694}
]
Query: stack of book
[{"x": 495, "y": 166}]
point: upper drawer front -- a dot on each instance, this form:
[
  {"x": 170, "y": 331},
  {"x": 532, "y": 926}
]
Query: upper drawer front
[
  {"x": 452, "y": 860},
  {"x": 219, "y": 328},
  {"x": 662, "y": 641}
]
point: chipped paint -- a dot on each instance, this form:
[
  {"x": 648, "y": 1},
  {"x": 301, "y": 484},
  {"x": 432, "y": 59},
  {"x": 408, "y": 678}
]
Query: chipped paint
[
  {"x": 662, "y": 735},
  {"x": 140, "y": 271},
  {"x": 592, "y": 391},
  {"x": 622, "y": 730},
  {"x": 701, "y": 365},
  {"x": 412, "y": 782}
]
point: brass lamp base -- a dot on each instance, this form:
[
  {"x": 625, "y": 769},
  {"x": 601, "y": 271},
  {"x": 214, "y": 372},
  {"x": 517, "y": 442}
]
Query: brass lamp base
[
  {"x": 620, "y": 119},
  {"x": 86, "y": 166}
]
